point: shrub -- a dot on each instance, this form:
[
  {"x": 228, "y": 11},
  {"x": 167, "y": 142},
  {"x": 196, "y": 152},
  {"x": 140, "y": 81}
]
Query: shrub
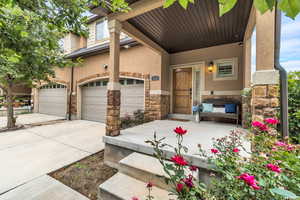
[
  {"x": 294, "y": 104},
  {"x": 137, "y": 118},
  {"x": 271, "y": 170}
]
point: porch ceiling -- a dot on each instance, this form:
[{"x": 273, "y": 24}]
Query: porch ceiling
[{"x": 200, "y": 26}]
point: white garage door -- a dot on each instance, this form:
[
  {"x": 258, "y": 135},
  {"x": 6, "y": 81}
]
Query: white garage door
[
  {"x": 53, "y": 100},
  {"x": 94, "y": 99}
]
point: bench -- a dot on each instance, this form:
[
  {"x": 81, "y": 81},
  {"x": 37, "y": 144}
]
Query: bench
[{"x": 219, "y": 103}]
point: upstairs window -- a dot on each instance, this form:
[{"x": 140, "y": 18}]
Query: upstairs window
[
  {"x": 102, "y": 30},
  {"x": 224, "y": 69}
]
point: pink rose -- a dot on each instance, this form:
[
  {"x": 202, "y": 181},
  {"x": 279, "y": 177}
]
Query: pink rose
[
  {"x": 272, "y": 121},
  {"x": 249, "y": 180},
  {"x": 280, "y": 144},
  {"x": 261, "y": 126},
  {"x": 235, "y": 150},
  {"x": 273, "y": 168}
]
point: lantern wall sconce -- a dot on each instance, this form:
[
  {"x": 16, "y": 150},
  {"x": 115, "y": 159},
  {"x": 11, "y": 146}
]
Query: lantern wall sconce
[{"x": 210, "y": 67}]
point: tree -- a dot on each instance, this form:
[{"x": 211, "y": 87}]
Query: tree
[
  {"x": 29, "y": 45},
  {"x": 290, "y": 7}
]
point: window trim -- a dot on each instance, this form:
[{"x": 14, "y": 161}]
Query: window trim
[
  {"x": 98, "y": 22},
  {"x": 234, "y": 76}
]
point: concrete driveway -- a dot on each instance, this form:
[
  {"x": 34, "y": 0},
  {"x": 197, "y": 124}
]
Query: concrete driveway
[
  {"x": 31, "y": 153},
  {"x": 32, "y": 118}
]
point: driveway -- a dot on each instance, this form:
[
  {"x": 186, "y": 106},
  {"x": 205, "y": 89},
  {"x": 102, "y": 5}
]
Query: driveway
[
  {"x": 28, "y": 154},
  {"x": 32, "y": 118}
]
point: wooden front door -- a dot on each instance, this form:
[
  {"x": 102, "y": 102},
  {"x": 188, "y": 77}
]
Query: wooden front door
[{"x": 182, "y": 90}]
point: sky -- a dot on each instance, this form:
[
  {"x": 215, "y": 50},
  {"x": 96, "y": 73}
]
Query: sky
[{"x": 290, "y": 44}]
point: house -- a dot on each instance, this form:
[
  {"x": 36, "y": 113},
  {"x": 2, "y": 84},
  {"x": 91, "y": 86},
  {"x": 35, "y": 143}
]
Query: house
[{"x": 165, "y": 61}]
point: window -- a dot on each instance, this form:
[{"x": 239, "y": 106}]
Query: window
[
  {"x": 102, "y": 30},
  {"x": 226, "y": 69}
]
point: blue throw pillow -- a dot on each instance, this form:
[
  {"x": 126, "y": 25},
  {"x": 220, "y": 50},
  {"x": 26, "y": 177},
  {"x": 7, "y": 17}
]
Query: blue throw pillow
[
  {"x": 207, "y": 107},
  {"x": 230, "y": 108}
]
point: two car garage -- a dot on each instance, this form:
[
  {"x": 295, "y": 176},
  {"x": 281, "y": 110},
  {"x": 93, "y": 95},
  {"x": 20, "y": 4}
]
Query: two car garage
[{"x": 53, "y": 99}]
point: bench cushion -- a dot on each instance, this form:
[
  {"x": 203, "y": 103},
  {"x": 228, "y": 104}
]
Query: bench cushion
[{"x": 230, "y": 108}]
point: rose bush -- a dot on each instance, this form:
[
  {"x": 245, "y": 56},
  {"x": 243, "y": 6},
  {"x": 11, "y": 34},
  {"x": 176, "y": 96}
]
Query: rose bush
[{"x": 270, "y": 170}]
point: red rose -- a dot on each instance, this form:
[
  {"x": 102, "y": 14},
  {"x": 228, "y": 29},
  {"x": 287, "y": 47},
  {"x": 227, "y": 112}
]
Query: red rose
[
  {"x": 180, "y": 131},
  {"x": 149, "y": 185},
  {"x": 193, "y": 168},
  {"x": 134, "y": 198},
  {"x": 179, "y": 160},
  {"x": 179, "y": 187},
  {"x": 235, "y": 150},
  {"x": 214, "y": 151}
]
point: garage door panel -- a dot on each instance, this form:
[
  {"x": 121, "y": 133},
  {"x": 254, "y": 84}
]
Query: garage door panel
[
  {"x": 53, "y": 101},
  {"x": 94, "y": 101}
]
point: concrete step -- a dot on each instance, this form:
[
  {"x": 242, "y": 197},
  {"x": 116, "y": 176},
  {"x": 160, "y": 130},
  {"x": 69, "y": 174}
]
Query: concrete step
[
  {"x": 123, "y": 187},
  {"x": 144, "y": 168}
]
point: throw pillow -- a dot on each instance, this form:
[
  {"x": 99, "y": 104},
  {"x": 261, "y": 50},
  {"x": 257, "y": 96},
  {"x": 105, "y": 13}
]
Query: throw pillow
[
  {"x": 230, "y": 108},
  {"x": 207, "y": 107}
]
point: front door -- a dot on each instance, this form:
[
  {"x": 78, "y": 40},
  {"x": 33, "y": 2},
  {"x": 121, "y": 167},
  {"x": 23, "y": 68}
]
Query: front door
[{"x": 182, "y": 90}]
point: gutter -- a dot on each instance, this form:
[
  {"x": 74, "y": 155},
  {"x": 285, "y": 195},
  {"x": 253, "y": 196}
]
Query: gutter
[
  {"x": 71, "y": 93},
  {"x": 283, "y": 77}
]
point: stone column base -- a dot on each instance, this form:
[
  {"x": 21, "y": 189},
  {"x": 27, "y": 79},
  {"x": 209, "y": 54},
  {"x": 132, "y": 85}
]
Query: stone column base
[
  {"x": 159, "y": 106},
  {"x": 113, "y": 122},
  {"x": 265, "y": 101}
]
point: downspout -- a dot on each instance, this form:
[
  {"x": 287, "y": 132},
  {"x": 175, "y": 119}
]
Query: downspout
[
  {"x": 71, "y": 93},
  {"x": 283, "y": 77}
]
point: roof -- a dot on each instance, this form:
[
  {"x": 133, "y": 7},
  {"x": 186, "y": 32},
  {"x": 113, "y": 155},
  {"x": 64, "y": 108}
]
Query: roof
[
  {"x": 200, "y": 26},
  {"x": 84, "y": 52}
]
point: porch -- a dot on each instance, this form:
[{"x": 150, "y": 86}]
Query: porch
[{"x": 133, "y": 139}]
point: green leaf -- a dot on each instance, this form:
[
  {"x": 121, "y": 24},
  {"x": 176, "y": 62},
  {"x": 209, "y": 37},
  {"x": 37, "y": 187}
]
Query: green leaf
[
  {"x": 184, "y": 3},
  {"x": 290, "y": 7},
  {"x": 225, "y": 6},
  {"x": 284, "y": 193},
  {"x": 24, "y": 34},
  {"x": 264, "y": 5},
  {"x": 168, "y": 3}
]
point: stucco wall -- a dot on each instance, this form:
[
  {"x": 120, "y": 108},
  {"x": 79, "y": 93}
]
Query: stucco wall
[
  {"x": 137, "y": 59},
  {"x": 210, "y": 54}
]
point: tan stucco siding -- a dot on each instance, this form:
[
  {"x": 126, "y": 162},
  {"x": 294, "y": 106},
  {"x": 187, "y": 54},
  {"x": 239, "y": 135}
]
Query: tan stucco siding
[
  {"x": 138, "y": 59},
  {"x": 210, "y": 54},
  {"x": 63, "y": 74}
]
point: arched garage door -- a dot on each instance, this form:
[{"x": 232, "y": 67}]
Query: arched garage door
[
  {"x": 53, "y": 100},
  {"x": 94, "y": 98}
]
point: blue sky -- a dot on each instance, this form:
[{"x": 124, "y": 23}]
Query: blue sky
[{"x": 290, "y": 44}]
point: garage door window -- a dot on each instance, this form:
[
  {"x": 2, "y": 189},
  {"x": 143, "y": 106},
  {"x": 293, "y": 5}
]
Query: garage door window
[{"x": 52, "y": 86}]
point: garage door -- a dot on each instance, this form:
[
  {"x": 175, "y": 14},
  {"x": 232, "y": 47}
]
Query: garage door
[
  {"x": 53, "y": 100},
  {"x": 94, "y": 99}
]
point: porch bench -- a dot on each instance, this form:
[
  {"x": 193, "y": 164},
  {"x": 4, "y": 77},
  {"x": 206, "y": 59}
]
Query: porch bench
[{"x": 220, "y": 103}]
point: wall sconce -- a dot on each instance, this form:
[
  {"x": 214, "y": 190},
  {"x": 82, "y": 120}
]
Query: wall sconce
[{"x": 210, "y": 67}]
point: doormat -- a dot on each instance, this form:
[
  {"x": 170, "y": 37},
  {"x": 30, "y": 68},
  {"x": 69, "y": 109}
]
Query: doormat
[{"x": 180, "y": 120}]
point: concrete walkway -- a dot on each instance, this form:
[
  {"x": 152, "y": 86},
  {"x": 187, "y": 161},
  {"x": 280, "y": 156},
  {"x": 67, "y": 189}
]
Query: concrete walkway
[
  {"x": 43, "y": 188},
  {"x": 32, "y": 118},
  {"x": 30, "y": 153}
]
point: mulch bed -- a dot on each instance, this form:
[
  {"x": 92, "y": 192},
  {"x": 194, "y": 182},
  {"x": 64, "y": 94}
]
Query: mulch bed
[{"x": 86, "y": 175}]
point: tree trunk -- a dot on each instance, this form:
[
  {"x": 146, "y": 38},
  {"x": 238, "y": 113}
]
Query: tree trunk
[{"x": 11, "y": 121}]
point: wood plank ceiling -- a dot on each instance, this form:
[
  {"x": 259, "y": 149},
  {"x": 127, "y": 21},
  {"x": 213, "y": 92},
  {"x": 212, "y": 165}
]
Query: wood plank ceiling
[{"x": 200, "y": 26}]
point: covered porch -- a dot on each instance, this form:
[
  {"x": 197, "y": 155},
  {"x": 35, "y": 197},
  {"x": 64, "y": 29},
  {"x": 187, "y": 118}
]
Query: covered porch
[
  {"x": 202, "y": 56},
  {"x": 133, "y": 139}
]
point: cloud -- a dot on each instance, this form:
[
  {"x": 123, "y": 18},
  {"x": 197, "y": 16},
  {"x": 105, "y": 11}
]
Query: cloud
[{"x": 291, "y": 65}]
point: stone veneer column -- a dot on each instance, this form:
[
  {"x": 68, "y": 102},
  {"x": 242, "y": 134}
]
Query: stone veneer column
[
  {"x": 113, "y": 88},
  {"x": 265, "y": 95}
]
